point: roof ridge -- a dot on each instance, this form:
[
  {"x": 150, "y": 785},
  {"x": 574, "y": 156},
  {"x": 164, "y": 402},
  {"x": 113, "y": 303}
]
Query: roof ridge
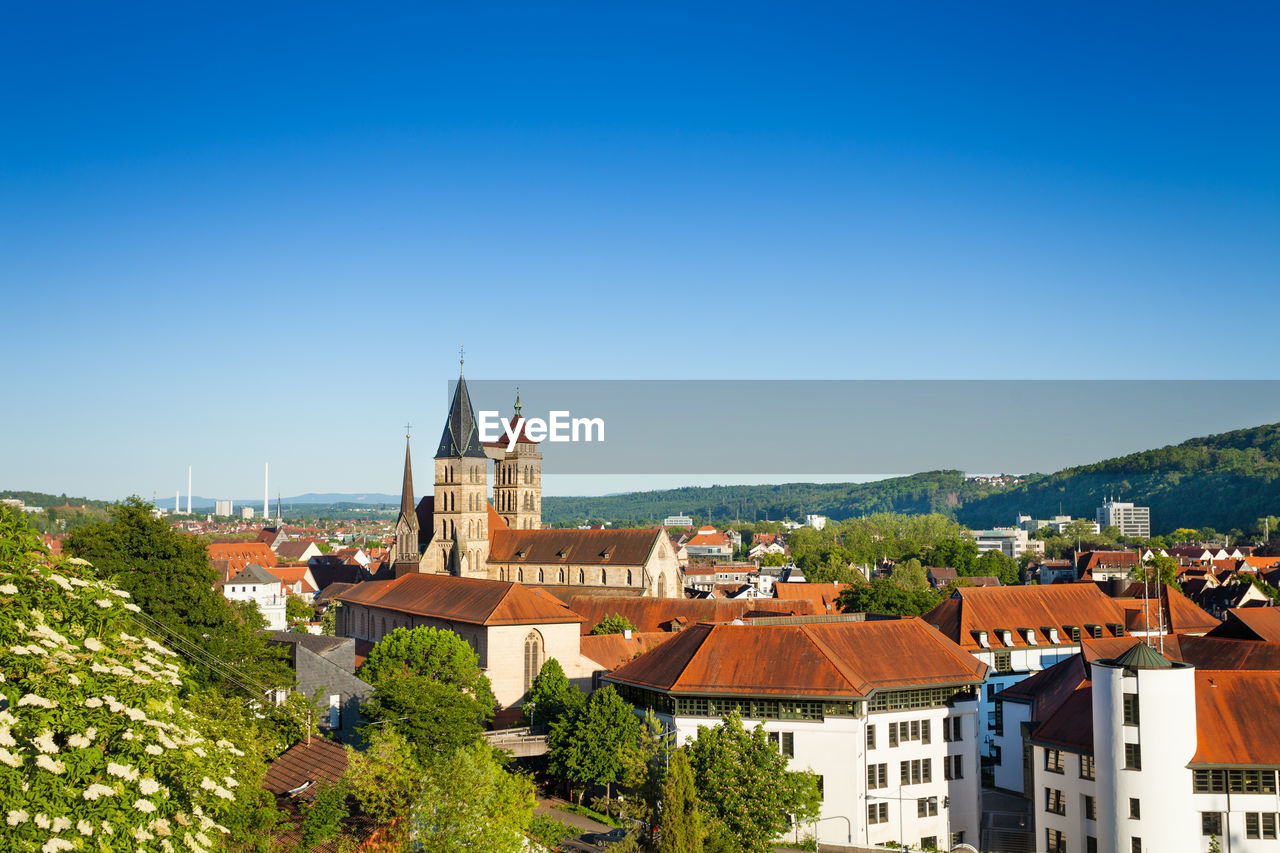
[{"x": 857, "y": 682}]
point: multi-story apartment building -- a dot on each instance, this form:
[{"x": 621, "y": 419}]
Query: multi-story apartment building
[
  {"x": 1131, "y": 520},
  {"x": 884, "y": 712}
]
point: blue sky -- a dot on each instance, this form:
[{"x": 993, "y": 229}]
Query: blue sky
[{"x": 232, "y": 233}]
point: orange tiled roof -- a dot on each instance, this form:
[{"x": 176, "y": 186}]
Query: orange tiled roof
[
  {"x": 826, "y": 659},
  {"x": 973, "y": 609},
  {"x": 473, "y": 601},
  {"x": 657, "y": 614},
  {"x": 291, "y": 575},
  {"x": 822, "y": 596},
  {"x": 613, "y": 650},
  {"x": 240, "y": 554},
  {"x": 1232, "y": 709},
  {"x": 620, "y": 547}
]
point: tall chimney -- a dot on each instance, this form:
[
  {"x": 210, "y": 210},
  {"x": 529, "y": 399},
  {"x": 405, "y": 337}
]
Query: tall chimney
[
  {"x": 188, "y": 490},
  {"x": 266, "y": 491},
  {"x": 177, "y": 501}
]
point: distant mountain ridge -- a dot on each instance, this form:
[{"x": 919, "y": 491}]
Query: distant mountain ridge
[{"x": 1223, "y": 481}]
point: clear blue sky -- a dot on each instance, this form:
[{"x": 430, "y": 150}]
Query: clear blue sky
[{"x": 232, "y": 233}]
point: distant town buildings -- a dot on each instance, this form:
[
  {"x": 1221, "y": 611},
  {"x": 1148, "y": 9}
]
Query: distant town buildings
[
  {"x": 677, "y": 521},
  {"x": 1010, "y": 541},
  {"x": 1129, "y": 519},
  {"x": 223, "y": 508}
]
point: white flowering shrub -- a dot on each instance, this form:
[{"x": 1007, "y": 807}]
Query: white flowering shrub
[{"x": 97, "y": 751}]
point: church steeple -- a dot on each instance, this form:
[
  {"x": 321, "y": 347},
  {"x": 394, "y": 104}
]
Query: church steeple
[
  {"x": 461, "y": 438},
  {"x": 406, "y": 557}
]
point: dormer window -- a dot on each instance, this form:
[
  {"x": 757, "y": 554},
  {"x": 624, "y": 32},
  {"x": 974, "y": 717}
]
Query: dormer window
[
  {"x": 1095, "y": 631},
  {"x": 1117, "y": 630},
  {"x": 1052, "y": 634},
  {"x": 1005, "y": 636},
  {"x": 1073, "y": 631},
  {"x": 1028, "y": 634},
  {"x": 981, "y": 638},
  {"x": 606, "y": 553},
  {"x": 521, "y": 554},
  {"x": 563, "y": 553}
]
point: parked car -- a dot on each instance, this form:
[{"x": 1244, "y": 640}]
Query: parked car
[{"x": 604, "y": 839}]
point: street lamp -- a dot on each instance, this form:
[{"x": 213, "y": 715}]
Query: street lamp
[{"x": 831, "y": 817}]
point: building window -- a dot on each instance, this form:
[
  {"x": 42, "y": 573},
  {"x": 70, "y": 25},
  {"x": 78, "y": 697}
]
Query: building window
[
  {"x": 916, "y": 772},
  {"x": 1131, "y": 709},
  {"x": 1053, "y": 760},
  {"x": 1132, "y": 756},
  {"x": 582, "y": 576},
  {"x": 927, "y": 807},
  {"x": 1135, "y": 809},
  {"x": 785, "y": 741},
  {"x": 1234, "y": 781},
  {"x": 1090, "y": 808},
  {"x": 877, "y": 776},
  {"x": 929, "y": 842},
  {"x": 871, "y": 737},
  {"x": 1004, "y": 661},
  {"x": 1211, "y": 823},
  {"x": 628, "y": 577},
  {"x": 1086, "y": 767},
  {"x": 1260, "y": 824},
  {"x": 1090, "y": 844},
  {"x": 877, "y": 813},
  {"x": 1055, "y": 841},
  {"x": 1054, "y": 801},
  {"x": 998, "y": 723},
  {"x": 603, "y": 578},
  {"x": 1135, "y": 845},
  {"x": 532, "y": 657},
  {"x": 893, "y": 734}
]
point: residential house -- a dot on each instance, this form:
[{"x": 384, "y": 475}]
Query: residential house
[
  {"x": 709, "y": 543},
  {"x": 297, "y": 551},
  {"x": 229, "y": 558},
  {"x": 884, "y": 712},
  {"x": 327, "y": 666},
  {"x": 256, "y": 584}
]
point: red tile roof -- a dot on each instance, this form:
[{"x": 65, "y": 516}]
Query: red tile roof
[
  {"x": 824, "y": 659},
  {"x": 1070, "y": 725},
  {"x": 657, "y": 614},
  {"x": 708, "y": 536},
  {"x": 319, "y": 761},
  {"x": 291, "y": 575},
  {"x": 496, "y": 522},
  {"x": 473, "y": 601},
  {"x": 240, "y": 554},
  {"x": 1264, "y": 622},
  {"x": 613, "y": 650},
  {"x": 822, "y": 596},
  {"x": 1233, "y": 709},
  {"x": 973, "y": 609}
]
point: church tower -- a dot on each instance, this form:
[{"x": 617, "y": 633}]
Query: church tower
[
  {"x": 517, "y": 480},
  {"x": 406, "y": 558},
  {"x": 461, "y": 513}
]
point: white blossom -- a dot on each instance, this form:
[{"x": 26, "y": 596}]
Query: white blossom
[
  {"x": 98, "y": 790},
  {"x": 6, "y": 737},
  {"x": 61, "y": 581},
  {"x": 93, "y": 644},
  {"x": 16, "y": 816},
  {"x": 144, "y": 806},
  {"x": 84, "y": 827},
  {"x": 130, "y": 606},
  {"x": 61, "y": 824},
  {"x": 53, "y": 845},
  {"x": 7, "y": 757},
  {"x": 93, "y": 702},
  {"x": 140, "y": 835},
  {"x": 37, "y": 701},
  {"x": 8, "y": 589},
  {"x": 231, "y": 783},
  {"x": 102, "y": 602},
  {"x": 160, "y": 826},
  {"x": 108, "y": 828},
  {"x": 120, "y": 592},
  {"x": 154, "y": 749},
  {"x": 149, "y": 786},
  {"x": 42, "y": 821},
  {"x": 73, "y": 680},
  {"x": 55, "y": 767},
  {"x": 45, "y": 743},
  {"x": 122, "y": 771},
  {"x": 224, "y": 793}
]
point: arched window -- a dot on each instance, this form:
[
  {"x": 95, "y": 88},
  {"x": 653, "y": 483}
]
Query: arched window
[
  {"x": 662, "y": 586},
  {"x": 562, "y": 576},
  {"x": 520, "y": 575},
  {"x": 582, "y": 576},
  {"x": 628, "y": 577},
  {"x": 540, "y": 576},
  {"x": 532, "y": 658},
  {"x": 603, "y": 577}
]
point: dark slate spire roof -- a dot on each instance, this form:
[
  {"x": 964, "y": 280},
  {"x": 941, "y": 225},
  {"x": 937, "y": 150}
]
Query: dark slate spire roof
[
  {"x": 406, "y": 489},
  {"x": 461, "y": 438},
  {"x": 1142, "y": 656}
]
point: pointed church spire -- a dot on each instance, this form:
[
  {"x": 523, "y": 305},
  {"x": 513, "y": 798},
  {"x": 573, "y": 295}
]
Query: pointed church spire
[
  {"x": 406, "y": 488},
  {"x": 517, "y": 401},
  {"x": 460, "y": 438}
]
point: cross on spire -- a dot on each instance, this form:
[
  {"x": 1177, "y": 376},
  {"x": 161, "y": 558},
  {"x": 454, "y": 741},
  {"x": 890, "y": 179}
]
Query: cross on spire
[
  {"x": 407, "y": 427},
  {"x": 461, "y": 359}
]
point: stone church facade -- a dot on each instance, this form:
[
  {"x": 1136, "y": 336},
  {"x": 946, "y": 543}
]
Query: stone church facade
[{"x": 457, "y": 530}]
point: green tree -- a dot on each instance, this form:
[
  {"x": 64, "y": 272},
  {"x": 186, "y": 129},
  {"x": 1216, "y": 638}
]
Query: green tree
[
  {"x": 882, "y": 595},
  {"x": 996, "y": 564},
  {"x": 552, "y": 695},
  {"x": 437, "y": 654},
  {"x": 1159, "y": 569},
  {"x": 773, "y": 560},
  {"x": 329, "y": 622},
  {"x": 959, "y": 553},
  {"x": 322, "y": 818},
  {"x": 471, "y": 804},
  {"x": 681, "y": 817},
  {"x": 614, "y": 623},
  {"x": 746, "y": 791},
  {"x": 385, "y": 778},
  {"x": 909, "y": 574},
  {"x": 435, "y": 716},
  {"x": 596, "y": 745},
  {"x": 297, "y": 609},
  {"x": 169, "y": 577}
]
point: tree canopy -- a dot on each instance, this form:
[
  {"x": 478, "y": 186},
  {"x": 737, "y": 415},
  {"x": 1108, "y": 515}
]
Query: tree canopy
[
  {"x": 552, "y": 695},
  {"x": 436, "y": 654},
  {"x": 614, "y": 623}
]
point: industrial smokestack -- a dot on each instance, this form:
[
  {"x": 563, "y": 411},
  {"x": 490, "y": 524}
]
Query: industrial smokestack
[
  {"x": 266, "y": 491},
  {"x": 188, "y": 490},
  {"x": 177, "y": 501}
]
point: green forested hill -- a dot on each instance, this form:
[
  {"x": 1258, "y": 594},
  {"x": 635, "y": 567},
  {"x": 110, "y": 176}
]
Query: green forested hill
[{"x": 1224, "y": 481}]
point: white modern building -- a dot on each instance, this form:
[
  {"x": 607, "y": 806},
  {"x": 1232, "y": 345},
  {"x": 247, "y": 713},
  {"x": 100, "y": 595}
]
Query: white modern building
[
  {"x": 1131, "y": 520},
  {"x": 1010, "y": 541},
  {"x": 222, "y": 508},
  {"x": 677, "y": 521},
  {"x": 254, "y": 583},
  {"x": 246, "y": 512},
  {"x": 884, "y": 712},
  {"x": 1147, "y": 755}
]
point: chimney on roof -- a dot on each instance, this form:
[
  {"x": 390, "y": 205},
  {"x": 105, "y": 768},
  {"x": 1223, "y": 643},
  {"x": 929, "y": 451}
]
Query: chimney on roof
[{"x": 626, "y": 634}]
